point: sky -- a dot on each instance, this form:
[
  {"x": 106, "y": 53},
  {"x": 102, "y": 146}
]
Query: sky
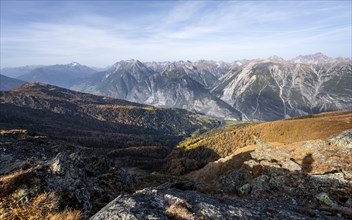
[{"x": 100, "y": 33}]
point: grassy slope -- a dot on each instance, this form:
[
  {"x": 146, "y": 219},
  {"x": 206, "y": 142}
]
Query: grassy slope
[
  {"x": 95, "y": 121},
  {"x": 227, "y": 140}
]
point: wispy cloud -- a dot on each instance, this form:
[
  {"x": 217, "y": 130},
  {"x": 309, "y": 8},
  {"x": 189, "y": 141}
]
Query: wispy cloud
[{"x": 98, "y": 34}]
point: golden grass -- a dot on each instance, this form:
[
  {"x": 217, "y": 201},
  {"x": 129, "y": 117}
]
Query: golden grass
[
  {"x": 4, "y": 132},
  {"x": 43, "y": 206},
  {"x": 180, "y": 211},
  {"x": 13, "y": 181},
  {"x": 15, "y": 202},
  {"x": 321, "y": 126},
  {"x": 226, "y": 141},
  {"x": 67, "y": 214}
]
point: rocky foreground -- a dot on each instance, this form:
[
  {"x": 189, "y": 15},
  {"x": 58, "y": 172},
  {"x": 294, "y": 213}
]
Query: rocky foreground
[
  {"x": 41, "y": 178},
  {"x": 311, "y": 179},
  {"x": 181, "y": 201}
]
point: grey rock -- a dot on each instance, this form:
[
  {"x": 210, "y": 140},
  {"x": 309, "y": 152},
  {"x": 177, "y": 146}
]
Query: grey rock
[
  {"x": 234, "y": 180},
  {"x": 139, "y": 206},
  {"x": 348, "y": 203},
  {"x": 245, "y": 189},
  {"x": 164, "y": 202},
  {"x": 291, "y": 165},
  {"x": 325, "y": 199},
  {"x": 259, "y": 185}
]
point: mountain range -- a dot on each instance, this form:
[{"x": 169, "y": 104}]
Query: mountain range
[{"x": 260, "y": 89}]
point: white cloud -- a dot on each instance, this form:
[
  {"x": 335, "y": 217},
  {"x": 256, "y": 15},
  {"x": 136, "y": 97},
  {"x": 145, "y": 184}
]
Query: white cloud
[{"x": 187, "y": 30}]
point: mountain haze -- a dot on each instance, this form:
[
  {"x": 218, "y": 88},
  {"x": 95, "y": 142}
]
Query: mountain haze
[
  {"x": 63, "y": 75},
  {"x": 7, "y": 83},
  {"x": 15, "y": 72}
]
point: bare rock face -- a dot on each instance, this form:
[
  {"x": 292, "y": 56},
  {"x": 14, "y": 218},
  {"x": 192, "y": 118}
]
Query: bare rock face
[{"x": 272, "y": 89}]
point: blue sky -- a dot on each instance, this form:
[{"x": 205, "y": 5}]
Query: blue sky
[{"x": 99, "y": 33}]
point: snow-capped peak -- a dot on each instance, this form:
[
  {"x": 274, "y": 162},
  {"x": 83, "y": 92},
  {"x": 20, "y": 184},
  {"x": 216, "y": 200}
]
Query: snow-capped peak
[{"x": 73, "y": 64}]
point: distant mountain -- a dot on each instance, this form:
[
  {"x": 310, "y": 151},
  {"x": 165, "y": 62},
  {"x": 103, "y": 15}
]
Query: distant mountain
[
  {"x": 157, "y": 66},
  {"x": 179, "y": 85},
  {"x": 15, "y": 72},
  {"x": 122, "y": 77},
  {"x": 64, "y": 75},
  {"x": 117, "y": 81},
  {"x": 205, "y": 72},
  {"x": 177, "y": 89},
  {"x": 99, "y": 69},
  {"x": 7, "y": 83},
  {"x": 260, "y": 89},
  {"x": 216, "y": 68},
  {"x": 273, "y": 88},
  {"x": 95, "y": 120},
  {"x": 312, "y": 59},
  {"x": 202, "y": 76}
]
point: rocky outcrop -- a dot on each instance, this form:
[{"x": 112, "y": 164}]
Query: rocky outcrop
[
  {"x": 299, "y": 169},
  {"x": 310, "y": 179},
  {"x": 344, "y": 139},
  {"x": 180, "y": 201},
  {"x": 31, "y": 165},
  {"x": 313, "y": 172}
]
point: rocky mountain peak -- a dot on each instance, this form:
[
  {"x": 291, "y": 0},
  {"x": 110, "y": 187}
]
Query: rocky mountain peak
[
  {"x": 170, "y": 67},
  {"x": 127, "y": 64},
  {"x": 312, "y": 59},
  {"x": 276, "y": 58}
]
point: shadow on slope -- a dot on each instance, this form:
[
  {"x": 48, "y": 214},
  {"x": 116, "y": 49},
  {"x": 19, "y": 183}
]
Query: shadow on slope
[
  {"x": 95, "y": 121},
  {"x": 82, "y": 128}
]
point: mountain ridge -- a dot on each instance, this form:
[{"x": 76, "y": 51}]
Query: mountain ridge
[
  {"x": 63, "y": 75},
  {"x": 7, "y": 83}
]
